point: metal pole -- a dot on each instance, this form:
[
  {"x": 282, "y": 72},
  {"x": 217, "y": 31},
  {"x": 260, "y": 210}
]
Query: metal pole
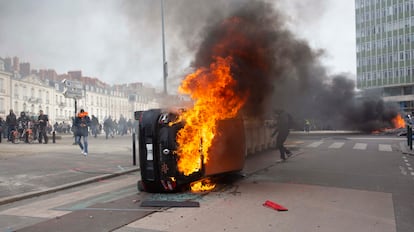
[
  {"x": 73, "y": 122},
  {"x": 11, "y": 93},
  {"x": 76, "y": 106},
  {"x": 134, "y": 156},
  {"x": 164, "y": 63}
]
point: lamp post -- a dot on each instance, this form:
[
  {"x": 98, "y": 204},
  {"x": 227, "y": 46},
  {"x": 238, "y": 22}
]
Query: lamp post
[{"x": 164, "y": 62}]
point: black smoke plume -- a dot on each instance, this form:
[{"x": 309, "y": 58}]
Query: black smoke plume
[{"x": 279, "y": 70}]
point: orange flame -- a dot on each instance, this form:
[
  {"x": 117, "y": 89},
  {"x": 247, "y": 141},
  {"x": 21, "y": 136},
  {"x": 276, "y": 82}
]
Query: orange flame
[
  {"x": 398, "y": 122},
  {"x": 212, "y": 90},
  {"x": 202, "y": 186}
]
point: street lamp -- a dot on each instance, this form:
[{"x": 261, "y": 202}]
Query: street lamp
[{"x": 164, "y": 62}]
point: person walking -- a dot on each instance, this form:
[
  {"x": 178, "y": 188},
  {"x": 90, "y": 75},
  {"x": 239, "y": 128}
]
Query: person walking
[
  {"x": 82, "y": 122},
  {"x": 43, "y": 122},
  {"x": 2, "y": 125},
  {"x": 282, "y": 130},
  {"x": 11, "y": 122},
  {"x": 23, "y": 123},
  {"x": 95, "y": 126},
  {"x": 307, "y": 125},
  {"x": 108, "y": 127}
]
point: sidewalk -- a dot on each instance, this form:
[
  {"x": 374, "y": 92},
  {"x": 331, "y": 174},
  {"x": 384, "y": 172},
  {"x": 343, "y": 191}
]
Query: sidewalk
[
  {"x": 405, "y": 149},
  {"x": 28, "y": 170}
]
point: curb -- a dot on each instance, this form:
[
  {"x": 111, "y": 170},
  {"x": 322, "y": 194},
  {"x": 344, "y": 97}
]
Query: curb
[
  {"x": 405, "y": 150},
  {"x": 23, "y": 196},
  {"x": 328, "y": 132}
]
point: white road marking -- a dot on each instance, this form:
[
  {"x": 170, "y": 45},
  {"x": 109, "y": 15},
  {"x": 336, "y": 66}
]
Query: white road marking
[
  {"x": 360, "y": 146},
  {"x": 410, "y": 168},
  {"x": 44, "y": 208},
  {"x": 384, "y": 147},
  {"x": 403, "y": 171},
  {"x": 337, "y": 145},
  {"x": 408, "y": 164},
  {"x": 412, "y": 173},
  {"x": 375, "y": 138},
  {"x": 315, "y": 144}
]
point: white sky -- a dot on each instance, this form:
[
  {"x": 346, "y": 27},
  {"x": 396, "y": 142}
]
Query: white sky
[{"x": 93, "y": 36}]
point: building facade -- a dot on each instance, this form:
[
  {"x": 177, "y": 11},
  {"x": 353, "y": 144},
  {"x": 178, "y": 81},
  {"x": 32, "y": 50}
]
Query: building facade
[
  {"x": 385, "y": 49},
  {"x": 39, "y": 91}
]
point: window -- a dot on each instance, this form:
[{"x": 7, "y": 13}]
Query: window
[{"x": 2, "y": 109}]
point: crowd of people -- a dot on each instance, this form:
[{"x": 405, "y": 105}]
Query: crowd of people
[
  {"x": 39, "y": 127},
  {"x": 24, "y": 127}
]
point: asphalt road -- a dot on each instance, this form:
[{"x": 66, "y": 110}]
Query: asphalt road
[{"x": 332, "y": 183}]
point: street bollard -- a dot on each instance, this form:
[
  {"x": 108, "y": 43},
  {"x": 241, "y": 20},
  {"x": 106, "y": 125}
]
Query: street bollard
[
  {"x": 54, "y": 137},
  {"x": 408, "y": 135},
  {"x": 134, "y": 158},
  {"x": 411, "y": 138}
]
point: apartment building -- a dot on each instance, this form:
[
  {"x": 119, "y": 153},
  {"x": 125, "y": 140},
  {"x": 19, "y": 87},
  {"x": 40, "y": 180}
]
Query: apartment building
[
  {"x": 385, "y": 49},
  {"x": 36, "y": 92}
]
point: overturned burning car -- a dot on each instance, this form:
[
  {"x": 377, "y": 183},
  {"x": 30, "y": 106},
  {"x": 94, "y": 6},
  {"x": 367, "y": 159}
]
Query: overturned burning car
[{"x": 163, "y": 166}]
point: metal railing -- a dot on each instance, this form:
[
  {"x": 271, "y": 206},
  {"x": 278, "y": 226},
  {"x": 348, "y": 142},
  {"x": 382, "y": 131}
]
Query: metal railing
[{"x": 258, "y": 136}]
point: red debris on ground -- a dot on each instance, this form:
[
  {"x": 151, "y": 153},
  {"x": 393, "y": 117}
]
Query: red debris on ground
[{"x": 274, "y": 206}]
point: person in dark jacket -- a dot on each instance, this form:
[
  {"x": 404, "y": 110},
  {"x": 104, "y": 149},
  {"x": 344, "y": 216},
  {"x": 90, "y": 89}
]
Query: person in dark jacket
[
  {"x": 95, "y": 126},
  {"x": 82, "y": 122},
  {"x": 108, "y": 127},
  {"x": 282, "y": 131},
  {"x": 2, "y": 126},
  {"x": 11, "y": 122},
  {"x": 23, "y": 123},
  {"x": 43, "y": 122}
]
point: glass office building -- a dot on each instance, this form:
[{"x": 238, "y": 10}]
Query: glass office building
[{"x": 385, "y": 43}]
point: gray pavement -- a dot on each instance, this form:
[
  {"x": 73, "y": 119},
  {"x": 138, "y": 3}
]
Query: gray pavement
[
  {"x": 28, "y": 170},
  {"x": 325, "y": 189},
  {"x": 405, "y": 149}
]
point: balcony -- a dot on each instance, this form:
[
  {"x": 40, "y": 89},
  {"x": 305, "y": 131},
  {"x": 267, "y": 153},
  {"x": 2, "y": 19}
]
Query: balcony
[
  {"x": 62, "y": 104},
  {"x": 61, "y": 118},
  {"x": 32, "y": 100}
]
